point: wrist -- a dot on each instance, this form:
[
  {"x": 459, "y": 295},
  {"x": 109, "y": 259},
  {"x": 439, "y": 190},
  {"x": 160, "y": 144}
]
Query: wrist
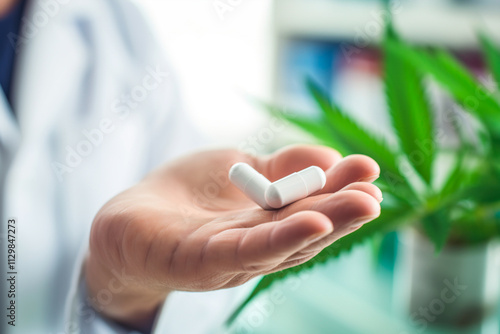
[{"x": 121, "y": 297}]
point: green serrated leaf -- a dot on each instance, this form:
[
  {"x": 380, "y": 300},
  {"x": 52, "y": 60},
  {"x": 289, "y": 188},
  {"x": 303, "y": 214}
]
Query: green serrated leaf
[
  {"x": 492, "y": 54},
  {"x": 412, "y": 120},
  {"x": 455, "y": 177},
  {"x": 485, "y": 193},
  {"x": 410, "y": 112},
  {"x": 437, "y": 226},
  {"x": 317, "y": 128},
  {"x": 356, "y": 140},
  {"x": 470, "y": 94},
  {"x": 350, "y": 134}
]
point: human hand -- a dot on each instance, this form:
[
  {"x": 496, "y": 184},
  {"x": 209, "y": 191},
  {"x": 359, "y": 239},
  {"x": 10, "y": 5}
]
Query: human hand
[{"x": 185, "y": 227}]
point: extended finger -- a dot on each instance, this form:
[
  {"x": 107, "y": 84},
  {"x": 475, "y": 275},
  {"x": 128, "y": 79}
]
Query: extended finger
[
  {"x": 266, "y": 245},
  {"x": 343, "y": 218},
  {"x": 366, "y": 187},
  {"x": 354, "y": 168},
  {"x": 345, "y": 208},
  {"x": 342, "y": 207}
]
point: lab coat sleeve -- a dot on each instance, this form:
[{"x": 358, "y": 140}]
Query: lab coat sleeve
[
  {"x": 81, "y": 316},
  {"x": 91, "y": 321},
  {"x": 182, "y": 312}
]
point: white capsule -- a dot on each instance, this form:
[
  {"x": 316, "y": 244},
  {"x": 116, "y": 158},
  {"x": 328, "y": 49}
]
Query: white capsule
[
  {"x": 295, "y": 186},
  {"x": 250, "y": 182}
]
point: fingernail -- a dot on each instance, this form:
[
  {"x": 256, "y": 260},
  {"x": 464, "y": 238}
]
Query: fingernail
[
  {"x": 362, "y": 220},
  {"x": 379, "y": 196},
  {"x": 370, "y": 178},
  {"x": 318, "y": 236}
]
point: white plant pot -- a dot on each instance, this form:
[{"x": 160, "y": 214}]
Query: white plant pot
[{"x": 457, "y": 288}]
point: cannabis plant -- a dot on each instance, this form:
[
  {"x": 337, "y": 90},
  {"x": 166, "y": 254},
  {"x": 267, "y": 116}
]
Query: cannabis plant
[{"x": 450, "y": 193}]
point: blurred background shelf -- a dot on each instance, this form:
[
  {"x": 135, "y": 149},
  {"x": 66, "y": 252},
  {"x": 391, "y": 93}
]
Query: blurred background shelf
[
  {"x": 334, "y": 42},
  {"x": 442, "y": 23},
  {"x": 436, "y": 22}
]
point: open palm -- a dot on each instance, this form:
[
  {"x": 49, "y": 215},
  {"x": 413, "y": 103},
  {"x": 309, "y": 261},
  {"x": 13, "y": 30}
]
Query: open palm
[{"x": 185, "y": 227}]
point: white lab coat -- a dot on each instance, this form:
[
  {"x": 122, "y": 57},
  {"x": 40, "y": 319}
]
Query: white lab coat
[{"x": 95, "y": 112}]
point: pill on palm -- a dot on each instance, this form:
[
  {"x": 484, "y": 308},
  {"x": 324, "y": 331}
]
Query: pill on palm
[
  {"x": 295, "y": 186},
  {"x": 250, "y": 182},
  {"x": 280, "y": 193}
]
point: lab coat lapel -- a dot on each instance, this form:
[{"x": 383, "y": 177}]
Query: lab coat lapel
[
  {"x": 41, "y": 92},
  {"x": 47, "y": 79},
  {"x": 9, "y": 131}
]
